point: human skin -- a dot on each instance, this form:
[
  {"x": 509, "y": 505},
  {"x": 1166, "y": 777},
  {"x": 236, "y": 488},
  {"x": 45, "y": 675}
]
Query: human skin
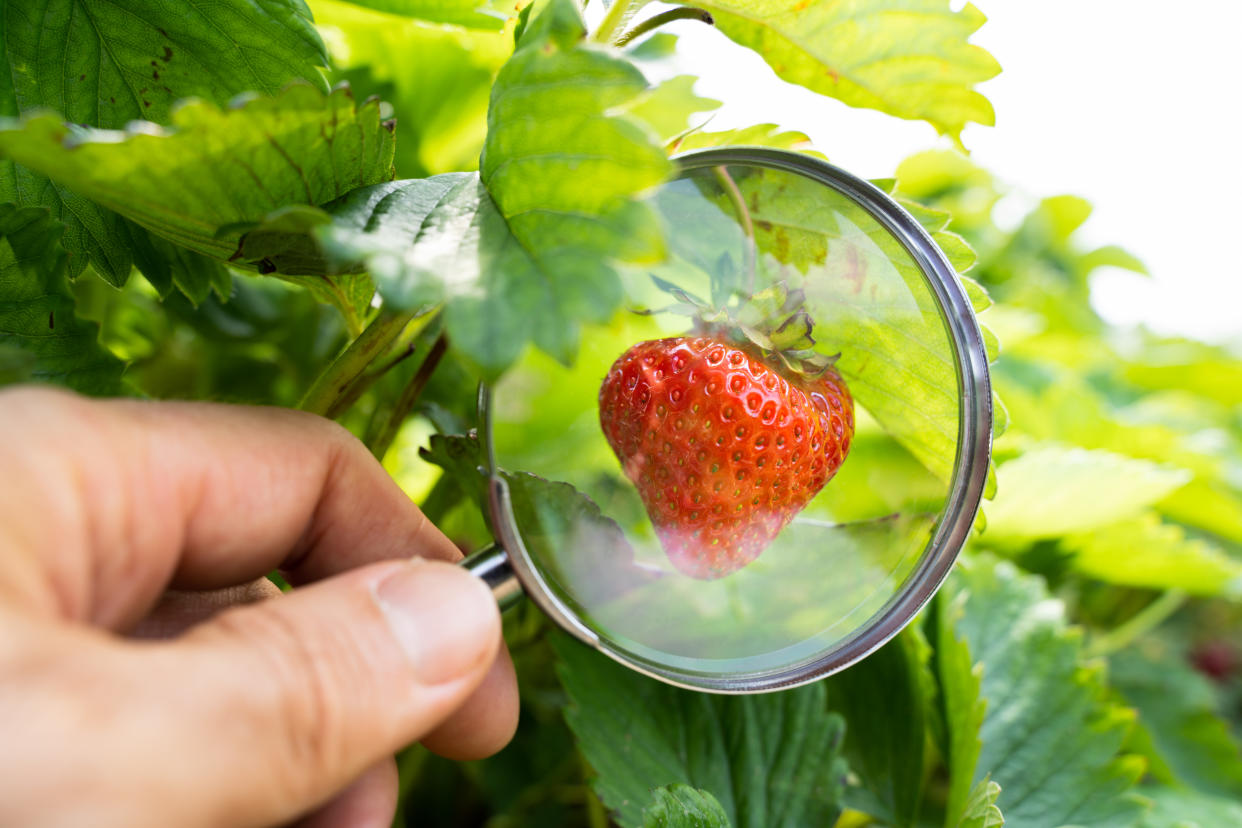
[{"x": 150, "y": 675}]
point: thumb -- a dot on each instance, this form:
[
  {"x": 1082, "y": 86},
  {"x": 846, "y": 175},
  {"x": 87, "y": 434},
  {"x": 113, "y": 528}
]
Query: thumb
[{"x": 283, "y": 703}]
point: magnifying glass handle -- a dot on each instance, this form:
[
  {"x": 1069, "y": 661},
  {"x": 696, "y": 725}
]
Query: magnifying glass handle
[{"x": 491, "y": 564}]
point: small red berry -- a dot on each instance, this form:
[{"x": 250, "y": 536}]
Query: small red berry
[{"x": 724, "y": 448}]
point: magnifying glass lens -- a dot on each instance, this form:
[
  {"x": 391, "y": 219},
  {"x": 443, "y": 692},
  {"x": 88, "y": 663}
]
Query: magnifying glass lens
[{"x": 764, "y": 464}]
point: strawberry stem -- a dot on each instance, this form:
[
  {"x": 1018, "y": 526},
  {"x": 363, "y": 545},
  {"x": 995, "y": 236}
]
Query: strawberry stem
[
  {"x": 380, "y": 441},
  {"x": 680, "y": 13},
  {"x": 748, "y": 226},
  {"x": 370, "y": 345}
]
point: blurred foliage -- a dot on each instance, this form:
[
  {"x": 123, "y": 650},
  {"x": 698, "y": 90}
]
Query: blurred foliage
[{"x": 1083, "y": 666}]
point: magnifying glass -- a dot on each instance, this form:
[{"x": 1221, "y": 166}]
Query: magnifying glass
[{"x": 761, "y": 469}]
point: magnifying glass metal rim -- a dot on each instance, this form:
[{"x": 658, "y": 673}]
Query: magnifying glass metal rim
[{"x": 508, "y": 569}]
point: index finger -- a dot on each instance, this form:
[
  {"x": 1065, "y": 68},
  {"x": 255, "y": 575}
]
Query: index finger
[{"x": 109, "y": 502}]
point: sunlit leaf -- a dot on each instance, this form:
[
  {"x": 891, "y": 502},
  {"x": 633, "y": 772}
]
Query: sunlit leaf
[
  {"x": 1113, "y": 256},
  {"x": 471, "y": 14},
  {"x": 667, "y": 108},
  {"x": 1190, "y": 366},
  {"x": 654, "y": 47},
  {"x": 909, "y": 58},
  {"x": 523, "y": 252},
  {"x": 563, "y": 167},
  {"x": 1144, "y": 552},
  {"x": 760, "y": 135},
  {"x": 1051, "y": 491},
  {"x": 437, "y": 79},
  {"x": 1211, "y": 505}
]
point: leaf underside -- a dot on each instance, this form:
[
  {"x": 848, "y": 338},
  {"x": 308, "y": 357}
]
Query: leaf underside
[
  {"x": 908, "y": 58},
  {"x": 104, "y": 63},
  {"x": 38, "y": 329}
]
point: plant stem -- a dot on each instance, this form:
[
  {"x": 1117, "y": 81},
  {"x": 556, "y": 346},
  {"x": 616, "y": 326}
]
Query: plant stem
[
  {"x": 402, "y": 348},
  {"x": 619, "y": 14},
  {"x": 382, "y": 441},
  {"x": 748, "y": 226},
  {"x": 1137, "y": 625},
  {"x": 655, "y": 22},
  {"x": 349, "y": 365}
]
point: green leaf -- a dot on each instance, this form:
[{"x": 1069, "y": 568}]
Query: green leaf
[
  {"x": 285, "y": 244},
  {"x": 1144, "y": 552},
  {"x": 1050, "y": 736},
  {"x": 40, "y": 336},
  {"x": 1051, "y": 491},
  {"x": 654, "y": 47},
  {"x": 884, "y": 701},
  {"x": 563, "y": 165},
  {"x": 437, "y": 79},
  {"x": 1060, "y": 216},
  {"x": 981, "y": 809},
  {"x": 680, "y": 806},
  {"x": 103, "y": 63},
  {"x": 1188, "y": 743},
  {"x": 1210, "y": 505},
  {"x": 667, "y": 108},
  {"x": 909, "y": 58},
  {"x": 462, "y": 459},
  {"x": 760, "y": 135},
  {"x": 233, "y": 165},
  {"x": 770, "y": 760},
  {"x": 1177, "y": 808},
  {"x": 1185, "y": 365},
  {"x": 1113, "y": 256},
  {"x": 561, "y": 528},
  {"x": 960, "y": 255},
  {"x": 962, "y": 706},
  {"x": 525, "y": 253},
  {"x": 167, "y": 266},
  {"x": 471, "y": 14}
]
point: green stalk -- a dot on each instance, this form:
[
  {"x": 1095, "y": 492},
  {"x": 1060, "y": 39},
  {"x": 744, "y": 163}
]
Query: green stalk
[
  {"x": 1137, "y": 625},
  {"x": 354, "y": 360},
  {"x": 380, "y": 442},
  {"x": 619, "y": 14},
  {"x": 748, "y": 226},
  {"x": 655, "y": 22},
  {"x": 402, "y": 348}
]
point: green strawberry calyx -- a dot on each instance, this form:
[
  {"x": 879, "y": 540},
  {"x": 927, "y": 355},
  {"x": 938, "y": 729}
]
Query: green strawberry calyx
[{"x": 774, "y": 321}]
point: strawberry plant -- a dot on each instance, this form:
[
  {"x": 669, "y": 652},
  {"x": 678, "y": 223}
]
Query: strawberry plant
[{"x": 364, "y": 208}]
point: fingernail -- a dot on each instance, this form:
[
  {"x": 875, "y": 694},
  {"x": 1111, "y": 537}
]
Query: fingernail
[{"x": 443, "y": 617}]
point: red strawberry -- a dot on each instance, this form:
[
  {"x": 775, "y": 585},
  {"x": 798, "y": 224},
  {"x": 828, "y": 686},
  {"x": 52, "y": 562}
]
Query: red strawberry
[{"x": 724, "y": 448}]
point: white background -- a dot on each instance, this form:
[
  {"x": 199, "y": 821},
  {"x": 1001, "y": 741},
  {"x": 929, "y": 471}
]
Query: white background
[{"x": 1132, "y": 105}]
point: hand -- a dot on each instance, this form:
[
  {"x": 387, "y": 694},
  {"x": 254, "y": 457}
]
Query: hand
[{"x": 223, "y": 702}]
